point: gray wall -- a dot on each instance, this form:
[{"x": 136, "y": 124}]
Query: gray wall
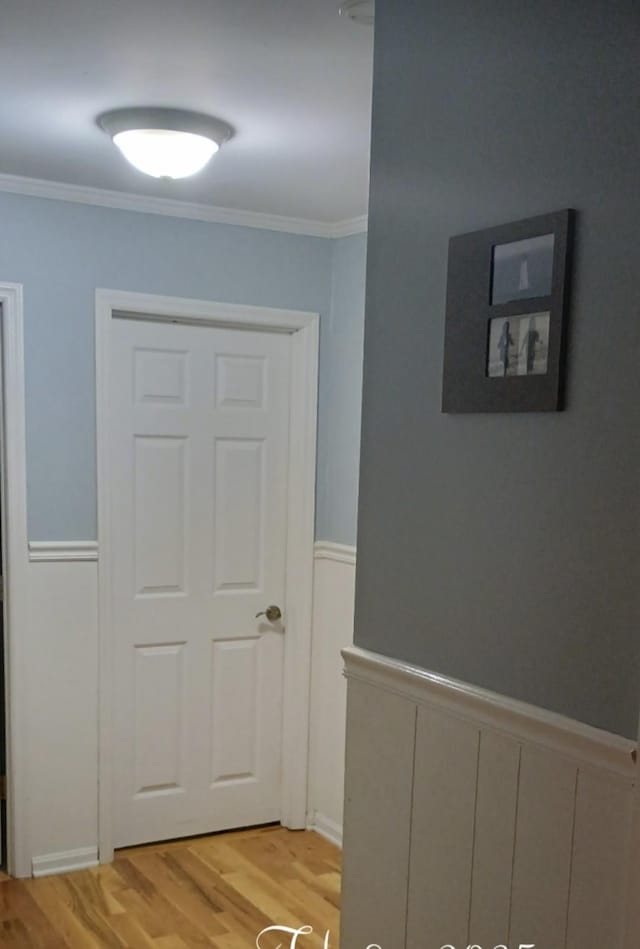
[
  {"x": 340, "y": 394},
  {"x": 504, "y": 550},
  {"x": 61, "y": 252}
]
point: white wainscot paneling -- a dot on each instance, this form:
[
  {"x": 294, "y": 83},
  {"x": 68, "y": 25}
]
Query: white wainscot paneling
[
  {"x": 377, "y": 826},
  {"x": 333, "y": 599},
  {"x": 62, "y": 666},
  {"x": 61, "y": 652},
  {"x": 444, "y": 787},
  {"x": 495, "y": 813},
  {"x": 520, "y": 823}
]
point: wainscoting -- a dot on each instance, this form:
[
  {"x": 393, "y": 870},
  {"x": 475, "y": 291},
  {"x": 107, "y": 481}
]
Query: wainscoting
[
  {"x": 61, "y": 673},
  {"x": 333, "y": 598},
  {"x": 61, "y": 706},
  {"x": 471, "y": 818}
]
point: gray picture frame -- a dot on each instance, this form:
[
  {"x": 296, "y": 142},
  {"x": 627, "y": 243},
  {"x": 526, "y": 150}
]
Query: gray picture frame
[{"x": 516, "y": 274}]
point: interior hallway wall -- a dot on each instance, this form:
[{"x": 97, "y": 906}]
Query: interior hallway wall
[
  {"x": 61, "y": 252},
  {"x": 337, "y": 496},
  {"x": 503, "y": 549},
  {"x": 341, "y": 396}
]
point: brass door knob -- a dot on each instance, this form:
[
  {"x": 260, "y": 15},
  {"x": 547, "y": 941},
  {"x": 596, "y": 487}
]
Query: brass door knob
[{"x": 272, "y": 613}]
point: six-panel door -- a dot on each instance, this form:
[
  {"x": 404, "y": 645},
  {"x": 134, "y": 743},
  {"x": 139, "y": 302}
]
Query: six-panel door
[{"x": 199, "y": 427}]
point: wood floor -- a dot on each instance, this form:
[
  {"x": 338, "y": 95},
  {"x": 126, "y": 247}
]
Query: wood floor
[{"x": 219, "y": 891}]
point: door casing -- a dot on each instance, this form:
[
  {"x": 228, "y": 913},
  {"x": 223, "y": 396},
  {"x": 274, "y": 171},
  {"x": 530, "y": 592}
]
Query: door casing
[
  {"x": 15, "y": 559},
  {"x": 303, "y": 328}
]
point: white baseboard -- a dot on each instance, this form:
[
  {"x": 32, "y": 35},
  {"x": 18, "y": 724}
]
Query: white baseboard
[
  {"x": 327, "y": 828},
  {"x": 65, "y": 862}
]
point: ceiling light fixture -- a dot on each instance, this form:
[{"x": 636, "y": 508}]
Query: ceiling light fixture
[
  {"x": 360, "y": 11},
  {"x": 165, "y": 143}
]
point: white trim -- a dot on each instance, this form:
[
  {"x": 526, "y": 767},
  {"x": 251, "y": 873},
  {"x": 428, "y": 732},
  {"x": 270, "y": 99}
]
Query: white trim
[
  {"x": 14, "y": 507},
  {"x": 527, "y": 722},
  {"x": 632, "y": 911},
  {"x": 351, "y": 226},
  {"x": 67, "y": 550},
  {"x": 147, "y": 204},
  {"x": 340, "y": 553},
  {"x": 73, "y": 550},
  {"x": 304, "y": 330},
  {"x": 327, "y": 828},
  {"x": 305, "y": 347},
  {"x": 123, "y": 303},
  {"x": 65, "y": 862}
]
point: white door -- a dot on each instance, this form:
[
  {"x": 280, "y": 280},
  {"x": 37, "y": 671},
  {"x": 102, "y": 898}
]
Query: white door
[{"x": 198, "y": 441}]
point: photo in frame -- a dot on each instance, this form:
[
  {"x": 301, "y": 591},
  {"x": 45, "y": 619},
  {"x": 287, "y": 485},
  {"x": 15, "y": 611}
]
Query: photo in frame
[{"x": 506, "y": 317}]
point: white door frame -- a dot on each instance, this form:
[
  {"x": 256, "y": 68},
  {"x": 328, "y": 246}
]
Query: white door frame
[
  {"x": 304, "y": 331},
  {"x": 16, "y": 563}
]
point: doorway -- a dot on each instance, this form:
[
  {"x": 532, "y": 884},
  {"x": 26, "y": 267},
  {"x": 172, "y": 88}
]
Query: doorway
[{"x": 206, "y": 471}]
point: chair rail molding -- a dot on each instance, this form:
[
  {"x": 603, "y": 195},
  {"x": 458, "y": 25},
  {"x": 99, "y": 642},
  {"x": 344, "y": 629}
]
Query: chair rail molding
[
  {"x": 340, "y": 553},
  {"x": 52, "y": 551},
  {"x": 538, "y": 725}
]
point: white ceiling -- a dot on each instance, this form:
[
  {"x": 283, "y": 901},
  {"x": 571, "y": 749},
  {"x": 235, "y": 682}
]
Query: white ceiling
[{"x": 292, "y": 76}]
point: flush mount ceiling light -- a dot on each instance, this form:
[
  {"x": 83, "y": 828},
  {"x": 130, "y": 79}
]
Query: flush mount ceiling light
[
  {"x": 165, "y": 143},
  {"x": 360, "y": 11}
]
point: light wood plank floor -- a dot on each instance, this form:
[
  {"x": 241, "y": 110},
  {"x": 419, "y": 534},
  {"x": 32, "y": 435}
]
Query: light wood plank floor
[{"x": 218, "y": 891}]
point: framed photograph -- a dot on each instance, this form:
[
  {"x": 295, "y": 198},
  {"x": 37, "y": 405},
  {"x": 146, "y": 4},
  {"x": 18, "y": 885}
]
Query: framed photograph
[
  {"x": 506, "y": 320},
  {"x": 518, "y": 345}
]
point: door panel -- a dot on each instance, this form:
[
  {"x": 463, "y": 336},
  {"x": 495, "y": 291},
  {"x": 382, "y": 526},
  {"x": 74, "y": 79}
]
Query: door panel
[
  {"x": 160, "y": 530},
  {"x": 235, "y": 672},
  {"x": 199, "y": 429},
  {"x": 159, "y": 715},
  {"x": 240, "y": 489}
]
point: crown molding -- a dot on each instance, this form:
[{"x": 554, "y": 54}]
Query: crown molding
[
  {"x": 146, "y": 204},
  {"x": 349, "y": 227}
]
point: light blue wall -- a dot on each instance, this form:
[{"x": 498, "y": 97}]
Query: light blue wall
[
  {"x": 61, "y": 252},
  {"x": 341, "y": 394}
]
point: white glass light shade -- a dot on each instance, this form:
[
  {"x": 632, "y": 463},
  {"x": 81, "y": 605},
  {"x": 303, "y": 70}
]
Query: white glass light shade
[
  {"x": 165, "y": 143},
  {"x": 164, "y": 153}
]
